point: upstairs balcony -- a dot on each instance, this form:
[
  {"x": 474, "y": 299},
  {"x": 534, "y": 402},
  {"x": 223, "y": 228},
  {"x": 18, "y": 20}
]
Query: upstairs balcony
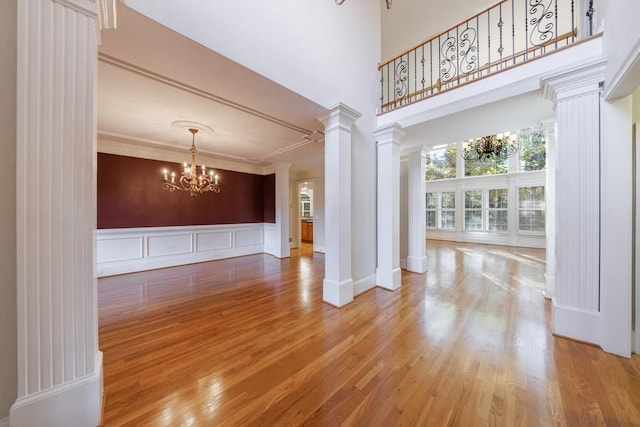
[{"x": 506, "y": 34}]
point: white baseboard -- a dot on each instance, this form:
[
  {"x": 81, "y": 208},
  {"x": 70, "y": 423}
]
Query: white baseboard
[
  {"x": 403, "y": 263},
  {"x": 74, "y": 404},
  {"x": 575, "y": 323},
  {"x": 4, "y": 422},
  {"x": 363, "y": 285}
]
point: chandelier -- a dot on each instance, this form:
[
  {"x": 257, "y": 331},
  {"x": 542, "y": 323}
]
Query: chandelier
[
  {"x": 339, "y": 2},
  {"x": 498, "y": 146},
  {"x": 189, "y": 179}
]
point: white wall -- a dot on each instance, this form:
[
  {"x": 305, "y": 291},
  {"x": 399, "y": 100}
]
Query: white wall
[
  {"x": 8, "y": 350},
  {"x": 621, "y": 45},
  {"x": 318, "y": 215},
  {"x": 408, "y": 23},
  {"x": 322, "y": 51}
]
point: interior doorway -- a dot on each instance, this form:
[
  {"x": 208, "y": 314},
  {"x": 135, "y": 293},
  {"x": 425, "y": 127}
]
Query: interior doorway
[{"x": 305, "y": 212}]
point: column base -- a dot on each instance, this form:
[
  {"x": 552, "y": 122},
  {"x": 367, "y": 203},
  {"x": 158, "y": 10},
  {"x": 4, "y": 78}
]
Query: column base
[
  {"x": 549, "y": 291},
  {"x": 576, "y": 323},
  {"x": 77, "y": 403},
  {"x": 389, "y": 279},
  {"x": 417, "y": 264},
  {"x": 337, "y": 293}
]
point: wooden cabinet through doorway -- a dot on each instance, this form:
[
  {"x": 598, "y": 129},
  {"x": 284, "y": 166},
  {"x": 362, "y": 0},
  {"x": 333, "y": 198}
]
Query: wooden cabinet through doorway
[{"x": 306, "y": 231}]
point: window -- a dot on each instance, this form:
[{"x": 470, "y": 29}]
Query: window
[
  {"x": 473, "y": 210},
  {"x": 432, "y": 209},
  {"x": 305, "y": 205},
  {"x": 441, "y": 163},
  {"x": 489, "y": 166},
  {"x": 448, "y": 209},
  {"x": 533, "y": 151},
  {"x": 441, "y": 210},
  {"x": 497, "y": 213},
  {"x": 531, "y": 208}
]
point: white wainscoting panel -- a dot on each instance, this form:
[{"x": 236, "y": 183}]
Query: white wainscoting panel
[
  {"x": 169, "y": 244},
  {"x": 120, "y": 249},
  {"x": 127, "y": 250},
  {"x": 249, "y": 237},
  {"x": 214, "y": 240}
]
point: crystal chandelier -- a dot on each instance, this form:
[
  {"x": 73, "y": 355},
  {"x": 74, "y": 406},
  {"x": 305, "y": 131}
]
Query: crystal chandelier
[
  {"x": 498, "y": 146},
  {"x": 189, "y": 179},
  {"x": 339, "y": 2}
]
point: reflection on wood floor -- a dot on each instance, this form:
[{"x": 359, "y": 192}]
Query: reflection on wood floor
[{"x": 248, "y": 341}]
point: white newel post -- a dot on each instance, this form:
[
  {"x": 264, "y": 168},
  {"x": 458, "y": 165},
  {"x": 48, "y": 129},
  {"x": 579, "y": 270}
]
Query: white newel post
[
  {"x": 388, "y": 274},
  {"x": 417, "y": 217},
  {"x": 337, "y": 288},
  {"x": 282, "y": 210},
  {"x": 576, "y": 94},
  {"x": 59, "y": 365}
]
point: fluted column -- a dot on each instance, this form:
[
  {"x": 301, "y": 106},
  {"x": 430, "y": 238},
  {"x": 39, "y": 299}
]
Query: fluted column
[
  {"x": 417, "y": 218},
  {"x": 550, "y": 206},
  {"x": 337, "y": 288},
  {"x": 388, "y": 142},
  {"x": 59, "y": 365},
  {"x": 577, "y": 201}
]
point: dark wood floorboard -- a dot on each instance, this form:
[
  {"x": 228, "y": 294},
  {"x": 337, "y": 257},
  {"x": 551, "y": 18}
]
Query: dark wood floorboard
[{"x": 248, "y": 342}]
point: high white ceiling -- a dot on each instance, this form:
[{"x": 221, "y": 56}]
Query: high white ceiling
[{"x": 150, "y": 77}]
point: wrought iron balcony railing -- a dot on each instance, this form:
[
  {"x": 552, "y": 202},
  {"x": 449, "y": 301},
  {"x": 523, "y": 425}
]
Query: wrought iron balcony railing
[{"x": 507, "y": 33}]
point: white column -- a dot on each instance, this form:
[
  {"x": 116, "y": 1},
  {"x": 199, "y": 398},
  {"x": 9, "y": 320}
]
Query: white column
[
  {"x": 337, "y": 287},
  {"x": 388, "y": 141},
  {"x": 283, "y": 187},
  {"x": 577, "y": 197},
  {"x": 550, "y": 207},
  {"x": 59, "y": 365},
  {"x": 417, "y": 218},
  {"x": 616, "y": 233}
]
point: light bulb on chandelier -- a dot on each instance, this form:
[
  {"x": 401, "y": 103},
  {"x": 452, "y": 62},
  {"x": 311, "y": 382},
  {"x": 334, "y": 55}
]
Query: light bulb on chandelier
[{"x": 189, "y": 179}]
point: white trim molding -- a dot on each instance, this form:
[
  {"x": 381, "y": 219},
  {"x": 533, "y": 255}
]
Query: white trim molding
[{"x": 576, "y": 323}]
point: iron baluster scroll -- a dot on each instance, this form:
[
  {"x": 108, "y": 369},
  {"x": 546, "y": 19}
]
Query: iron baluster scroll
[
  {"x": 401, "y": 87},
  {"x": 506, "y": 33},
  {"x": 541, "y": 21}
]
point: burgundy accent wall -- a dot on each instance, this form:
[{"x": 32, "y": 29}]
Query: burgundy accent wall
[
  {"x": 130, "y": 195},
  {"x": 270, "y": 198}
]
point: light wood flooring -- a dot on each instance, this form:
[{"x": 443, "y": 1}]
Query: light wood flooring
[{"x": 248, "y": 342}]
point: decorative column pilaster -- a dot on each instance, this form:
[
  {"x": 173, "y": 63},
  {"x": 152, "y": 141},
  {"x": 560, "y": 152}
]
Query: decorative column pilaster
[
  {"x": 337, "y": 288},
  {"x": 59, "y": 365},
  {"x": 388, "y": 142},
  {"x": 549, "y": 129},
  {"x": 416, "y": 255},
  {"x": 576, "y": 94},
  {"x": 281, "y": 245}
]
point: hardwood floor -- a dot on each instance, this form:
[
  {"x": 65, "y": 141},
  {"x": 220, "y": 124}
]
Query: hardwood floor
[{"x": 248, "y": 341}]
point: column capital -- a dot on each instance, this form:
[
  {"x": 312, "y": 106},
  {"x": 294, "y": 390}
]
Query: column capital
[
  {"x": 389, "y": 134},
  {"x": 339, "y": 116},
  {"x": 107, "y": 14},
  {"x": 420, "y": 150},
  {"x": 577, "y": 80},
  {"x": 282, "y": 166}
]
